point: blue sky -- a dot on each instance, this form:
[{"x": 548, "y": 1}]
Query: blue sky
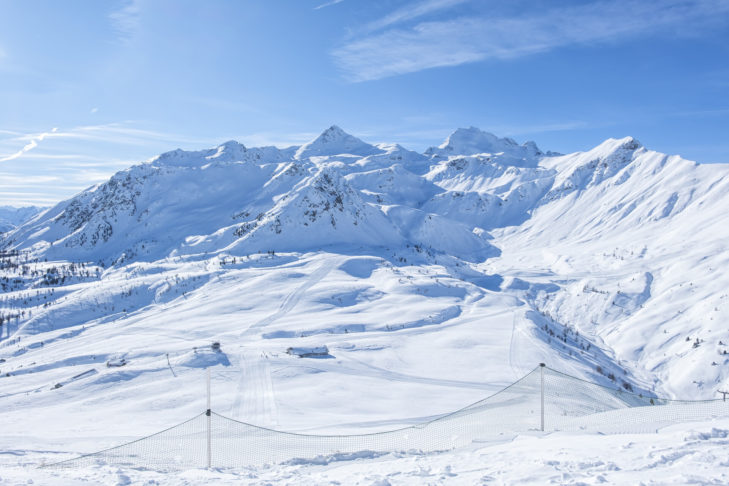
[{"x": 90, "y": 87}]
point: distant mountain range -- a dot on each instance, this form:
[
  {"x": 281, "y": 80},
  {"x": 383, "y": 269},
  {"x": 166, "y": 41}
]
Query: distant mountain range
[{"x": 11, "y": 217}]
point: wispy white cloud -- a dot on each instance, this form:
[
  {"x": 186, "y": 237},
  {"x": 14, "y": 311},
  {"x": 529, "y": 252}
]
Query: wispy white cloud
[
  {"x": 126, "y": 20},
  {"x": 13, "y": 180},
  {"x": 9, "y": 132},
  {"x": 412, "y": 11},
  {"x": 77, "y": 158},
  {"x": 32, "y": 143},
  {"x": 116, "y": 133},
  {"x": 328, "y": 4},
  {"x": 111, "y": 133},
  {"x": 27, "y": 198},
  {"x": 400, "y": 49},
  {"x": 61, "y": 161}
]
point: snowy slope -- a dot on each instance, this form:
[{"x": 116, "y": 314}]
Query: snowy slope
[{"x": 432, "y": 279}]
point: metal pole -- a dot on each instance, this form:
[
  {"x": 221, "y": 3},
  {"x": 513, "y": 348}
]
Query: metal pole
[
  {"x": 208, "y": 413},
  {"x": 541, "y": 369}
]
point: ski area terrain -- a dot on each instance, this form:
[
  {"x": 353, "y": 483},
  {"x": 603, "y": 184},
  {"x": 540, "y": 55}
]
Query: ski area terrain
[{"x": 348, "y": 287}]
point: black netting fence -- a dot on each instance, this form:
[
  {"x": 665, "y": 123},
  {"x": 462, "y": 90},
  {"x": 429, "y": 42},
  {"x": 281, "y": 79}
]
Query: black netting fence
[{"x": 544, "y": 400}]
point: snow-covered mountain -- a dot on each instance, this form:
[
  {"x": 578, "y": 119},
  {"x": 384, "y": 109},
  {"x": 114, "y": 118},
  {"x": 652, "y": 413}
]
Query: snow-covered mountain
[
  {"x": 335, "y": 141},
  {"x": 11, "y": 217},
  {"x": 472, "y": 141},
  {"x": 458, "y": 269}
]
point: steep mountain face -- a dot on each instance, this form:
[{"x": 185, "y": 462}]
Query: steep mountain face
[
  {"x": 320, "y": 210},
  {"x": 476, "y": 259},
  {"x": 149, "y": 209}
]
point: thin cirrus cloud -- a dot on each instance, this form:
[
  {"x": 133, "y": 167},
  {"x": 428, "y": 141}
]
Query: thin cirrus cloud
[
  {"x": 77, "y": 157},
  {"x": 32, "y": 143},
  {"x": 126, "y": 20},
  {"x": 113, "y": 133},
  {"x": 395, "y": 45},
  {"x": 105, "y": 138},
  {"x": 410, "y": 12},
  {"x": 328, "y": 4}
]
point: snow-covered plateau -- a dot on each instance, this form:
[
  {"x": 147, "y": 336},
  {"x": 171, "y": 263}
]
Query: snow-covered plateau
[{"x": 345, "y": 287}]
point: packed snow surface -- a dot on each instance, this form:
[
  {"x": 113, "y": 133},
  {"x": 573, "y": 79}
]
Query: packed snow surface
[{"x": 432, "y": 280}]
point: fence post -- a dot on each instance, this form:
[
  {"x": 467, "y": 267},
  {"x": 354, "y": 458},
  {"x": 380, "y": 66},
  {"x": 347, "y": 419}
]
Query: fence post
[
  {"x": 541, "y": 369},
  {"x": 209, "y": 415}
]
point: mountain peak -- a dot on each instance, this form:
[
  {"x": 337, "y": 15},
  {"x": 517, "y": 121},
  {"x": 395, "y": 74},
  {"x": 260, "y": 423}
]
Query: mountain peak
[
  {"x": 231, "y": 145},
  {"x": 472, "y": 141},
  {"x": 228, "y": 151},
  {"x": 333, "y": 134},
  {"x": 630, "y": 143},
  {"x": 473, "y": 135},
  {"x": 335, "y": 141},
  {"x": 625, "y": 144}
]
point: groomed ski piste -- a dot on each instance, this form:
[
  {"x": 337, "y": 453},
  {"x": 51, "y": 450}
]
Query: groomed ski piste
[{"x": 356, "y": 288}]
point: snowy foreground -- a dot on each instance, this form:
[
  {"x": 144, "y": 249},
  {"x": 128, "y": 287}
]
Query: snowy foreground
[{"x": 694, "y": 453}]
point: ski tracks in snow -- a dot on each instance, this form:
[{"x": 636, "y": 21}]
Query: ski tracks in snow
[
  {"x": 255, "y": 400},
  {"x": 526, "y": 350},
  {"x": 517, "y": 336},
  {"x": 290, "y": 300}
]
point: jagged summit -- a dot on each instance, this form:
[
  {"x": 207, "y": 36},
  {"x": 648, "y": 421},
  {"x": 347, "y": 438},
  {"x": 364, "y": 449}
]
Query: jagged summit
[
  {"x": 625, "y": 143},
  {"x": 333, "y": 134},
  {"x": 471, "y": 141},
  {"x": 335, "y": 141},
  {"x": 321, "y": 210},
  {"x": 609, "y": 157}
]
